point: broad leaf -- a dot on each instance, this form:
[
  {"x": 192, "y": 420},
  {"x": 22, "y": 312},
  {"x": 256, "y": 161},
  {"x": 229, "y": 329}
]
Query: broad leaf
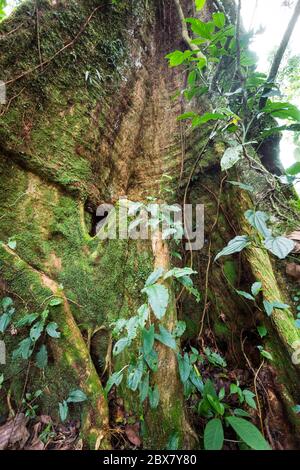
[
  {"x": 63, "y": 410},
  {"x": 121, "y": 345},
  {"x": 234, "y": 246},
  {"x": 199, "y": 4},
  {"x": 76, "y": 396},
  {"x": 148, "y": 339},
  {"x": 248, "y": 433},
  {"x": 144, "y": 388},
  {"x": 42, "y": 357},
  {"x": 152, "y": 360},
  {"x": 213, "y": 435},
  {"x": 231, "y": 156},
  {"x": 258, "y": 221},
  {"x": 279, "y": 246},
  {"x": 219, "y": 19},
  {"x": 36, "y": 330},
  {"x": 184, "y": 367},
  {"x": 115, "y": 379},
  {"x": 245, "y": 295},
  {"x": 166, "y": 337},
  {"x": 153, "y": 397},
  {"x": 51, "y": 329},
  {"x": 154, "y": 276},
  {"x": 135, "y": 376},
  {"x": 256, "y": 288},
  {"x": 158, "y": 297}
]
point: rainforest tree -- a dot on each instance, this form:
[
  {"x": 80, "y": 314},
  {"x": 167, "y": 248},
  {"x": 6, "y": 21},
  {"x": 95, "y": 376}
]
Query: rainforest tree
[{"x": 146, "y": 343}]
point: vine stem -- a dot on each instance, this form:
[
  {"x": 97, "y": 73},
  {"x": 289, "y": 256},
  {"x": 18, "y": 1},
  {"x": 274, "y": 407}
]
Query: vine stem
[{"x": 185, "y": 32}]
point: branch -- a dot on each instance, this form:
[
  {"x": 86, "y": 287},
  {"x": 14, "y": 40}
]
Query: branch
[
  {"x": 185, "y": 32},
  {"x": 280, "y": 53}
]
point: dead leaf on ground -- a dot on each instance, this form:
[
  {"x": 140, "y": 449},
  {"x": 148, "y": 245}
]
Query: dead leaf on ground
[
  {"x": 295, "y": 236},
  {"x": 132, "y": 433},
  {"x": 14, "y": 432},
  {"x": 293, "y": 270}
]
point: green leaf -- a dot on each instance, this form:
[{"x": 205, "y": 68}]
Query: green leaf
[
  {"x": 258, "y": 221},
  {"x": 241, "y": 413},
  {"x": 265, "y": 353},
  {"x": 248, "y": 433},
  {"x": 144, "y": 388},
  {"x": 55, "y": 302},
  {"x": 294, "y": 169},
  {"x": 5, "y": 320},
  {"x": 12, "y": 244},
  {"x": 245, "y": 295},
  {"x": 178, "y": 57},
  {"x": 256, "y": 288},
  {"x": 282, "y": 110},
  {"x": 131, "y": 327},
  {"x": 179, "y": 273},
  {"x": 262, "y": 331},
  {"x": 296, "y": 409},
  {"x": 245, "y": 187},
  {"x": 143, "y": 315},
  {"x": 135, "y": 376},
  {"x": 196, "y": 380},
  {"x": 42, "y": 357},
  {"x": 27, "y": 320},
  {"x": 158, "y": 297},
  {"x": 231, "y": 156},
  {"x": 152, "y": 360},
  {"x": 115, "y": 379},
  {"x": 249, "y": 398},
  {"x": 216, "y": 405},
  {"x": 63, "y": 410},
  {"x": 153, "y": 397},
  {"x": 179, "y": 329},
  {"x": 279, "y": 246},
  {"x": 166, "y": 337},
  {"x": 36, "y": 330},
  {"x": 51, "y": 329},
  {"x": 234, "y": 246},
  {"x": 219, "y": 19},
  {"x": 202, "y": 29},
  {"x": 6, "y": 303},
  {"x": 206, "y": 117},
  {"x": 148, "y": 339},
  {"x": 24, "y": 349},
  {"x": 199, "y": 4},
  {"x": 154, "y": 276},
  {"x": 76, "y": 396},
  {"x": 213, "y": 435},
  {"x": 184, "y": 367},
  {"x": 173, "y": 442},
  {"x": 120, "y": 346},
  {"x": 269, "y": 306}
]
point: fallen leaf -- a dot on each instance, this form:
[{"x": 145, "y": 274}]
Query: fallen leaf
[
  {"x": 14, "y": 431},
  {"x": 132, "y": 433},
  {"x": 293, "y": 270},
  {"x": 295, "y": 236}
]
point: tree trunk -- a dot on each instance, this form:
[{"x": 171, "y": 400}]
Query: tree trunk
[{"x": 90, "y": 118}]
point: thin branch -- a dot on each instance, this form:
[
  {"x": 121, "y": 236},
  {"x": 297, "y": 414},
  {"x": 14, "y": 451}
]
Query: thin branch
[
  {"x": 185, "y": 32},
  {"x": 280, "y": 53}
]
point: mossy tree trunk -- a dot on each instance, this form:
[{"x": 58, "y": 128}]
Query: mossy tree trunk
[{"x": 90, "y": 118}]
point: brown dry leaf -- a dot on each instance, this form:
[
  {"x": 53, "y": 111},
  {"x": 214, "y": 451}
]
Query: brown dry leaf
[
  {"x": 14, "y": 431},
  {"x": 36, "y": 443},
  {"x": 293, "y": 270},
  {"x": 295, "y": 236},
  {"x": 132, "y": 433}
]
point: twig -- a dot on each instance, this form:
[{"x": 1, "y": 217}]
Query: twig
[{"x": 185, "y": 33}]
